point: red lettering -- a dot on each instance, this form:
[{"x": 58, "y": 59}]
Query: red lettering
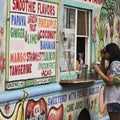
[
  {"x": 32, "y": 19},
  {"x": 94, "y": 1},
  {"x": 15, "y": 4},
  {"x": 20, "y": 69},
  {"x": 46, "y": 73},
  {"x": 34, "y": 56},
  {"x": 97, "y": 1},
  {"x": 46, "y": 34},
  {"x": 32, "y": 27},
  {"x": 46, "y": 9},
  {"x": 23, "y": 6}
]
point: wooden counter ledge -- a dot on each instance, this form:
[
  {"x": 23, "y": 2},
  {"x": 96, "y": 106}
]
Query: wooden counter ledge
[{"x": 77, "y": 81}]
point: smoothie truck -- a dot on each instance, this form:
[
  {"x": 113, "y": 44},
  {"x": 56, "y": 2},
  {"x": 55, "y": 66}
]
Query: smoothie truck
[{"x": 47, "y": 48}]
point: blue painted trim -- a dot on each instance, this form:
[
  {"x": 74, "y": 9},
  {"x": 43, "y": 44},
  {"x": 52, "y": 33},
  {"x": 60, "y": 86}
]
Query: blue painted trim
[
  {"x": 9, "y": 96},
  {"x": 15, "y": 95},
  {"x": 43, "y": 89},
  {"x": 78, "y": 4}
]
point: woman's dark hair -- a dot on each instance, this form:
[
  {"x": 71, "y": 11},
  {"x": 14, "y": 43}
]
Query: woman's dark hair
[{"x": 114, "y": 51}]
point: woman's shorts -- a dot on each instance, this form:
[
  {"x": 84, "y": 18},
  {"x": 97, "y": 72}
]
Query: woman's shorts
[{"x": 113, "y": 107}]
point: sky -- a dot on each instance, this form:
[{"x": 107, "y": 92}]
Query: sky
[{"x": 2, "y": 12}]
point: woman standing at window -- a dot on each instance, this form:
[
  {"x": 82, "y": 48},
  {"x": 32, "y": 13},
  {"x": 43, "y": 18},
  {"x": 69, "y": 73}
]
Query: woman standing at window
[{"x": 112, "y": 80}]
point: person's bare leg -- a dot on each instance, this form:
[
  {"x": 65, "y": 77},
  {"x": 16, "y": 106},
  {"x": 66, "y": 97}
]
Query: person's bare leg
[{"x": 114, "y": 115}]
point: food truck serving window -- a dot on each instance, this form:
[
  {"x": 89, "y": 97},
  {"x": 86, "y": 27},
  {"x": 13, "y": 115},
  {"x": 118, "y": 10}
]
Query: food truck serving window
[{"x": 75, "y": 40}]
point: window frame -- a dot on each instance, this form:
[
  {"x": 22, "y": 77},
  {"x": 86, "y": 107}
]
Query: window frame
[{"x": 67, "y": 75}]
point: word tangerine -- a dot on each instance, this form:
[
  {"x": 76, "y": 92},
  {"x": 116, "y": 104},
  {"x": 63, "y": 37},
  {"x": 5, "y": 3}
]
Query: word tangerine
[{"x": 20, "y": 69}]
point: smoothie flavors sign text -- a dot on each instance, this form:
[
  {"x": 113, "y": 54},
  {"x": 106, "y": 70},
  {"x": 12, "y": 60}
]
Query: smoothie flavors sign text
[{"x": 32, "y": 51}]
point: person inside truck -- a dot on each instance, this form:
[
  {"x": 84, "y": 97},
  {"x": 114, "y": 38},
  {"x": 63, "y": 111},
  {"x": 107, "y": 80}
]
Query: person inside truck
[{"x": 111, "y": 53}]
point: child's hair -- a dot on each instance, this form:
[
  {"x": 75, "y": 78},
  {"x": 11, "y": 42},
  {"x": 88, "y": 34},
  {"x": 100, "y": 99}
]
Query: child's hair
[{"x": 114, "y": 51}]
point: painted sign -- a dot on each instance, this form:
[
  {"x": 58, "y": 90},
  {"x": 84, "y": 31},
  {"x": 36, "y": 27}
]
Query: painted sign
[
  {"x": 32, "y": 47},
  {"x": 64, "y": 106}
]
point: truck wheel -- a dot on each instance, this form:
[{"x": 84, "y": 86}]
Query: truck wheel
[{"x": 84, "y": 115}]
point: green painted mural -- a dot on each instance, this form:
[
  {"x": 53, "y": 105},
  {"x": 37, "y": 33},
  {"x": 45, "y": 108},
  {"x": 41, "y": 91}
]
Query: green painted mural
[{"x": 106, "y": 25}]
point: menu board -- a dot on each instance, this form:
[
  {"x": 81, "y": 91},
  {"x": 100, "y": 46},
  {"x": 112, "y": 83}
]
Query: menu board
[{"x": 32, "y": 45}]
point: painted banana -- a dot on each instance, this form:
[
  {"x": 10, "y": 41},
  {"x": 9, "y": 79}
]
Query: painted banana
[{"x": 18, "y": 112}]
